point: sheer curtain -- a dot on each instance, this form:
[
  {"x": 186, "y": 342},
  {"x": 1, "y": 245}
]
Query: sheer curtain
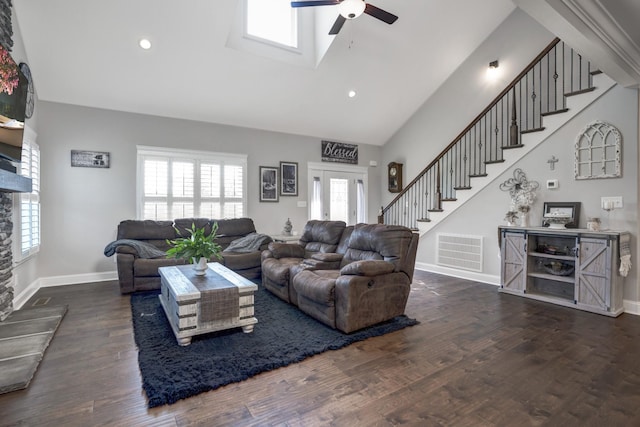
[
  {"x": 316, "y": 199},
  {"x": 360, "y": 214}
]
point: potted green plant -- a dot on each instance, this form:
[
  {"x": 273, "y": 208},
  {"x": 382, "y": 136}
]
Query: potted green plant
[{"x": 198, "y": 247}]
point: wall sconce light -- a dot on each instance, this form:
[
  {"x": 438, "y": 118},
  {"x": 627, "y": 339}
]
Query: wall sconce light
[{"x": 492, "y": 71}]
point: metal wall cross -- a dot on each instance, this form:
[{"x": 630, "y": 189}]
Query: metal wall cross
[{"x": 552, "y": 162}]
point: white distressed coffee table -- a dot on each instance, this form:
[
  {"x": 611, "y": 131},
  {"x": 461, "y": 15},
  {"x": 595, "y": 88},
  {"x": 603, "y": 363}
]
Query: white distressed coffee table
[{"x": 194, "y": 305}]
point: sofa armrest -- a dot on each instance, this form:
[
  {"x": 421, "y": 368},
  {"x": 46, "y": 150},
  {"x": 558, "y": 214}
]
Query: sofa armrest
[
  {"x": 124, "y": 262},
  {"x": 327, "y": 257},
  {"x": 286, "y": 250},
  {"x": 126, "y": 250},
  {"x": 367, "y": 268}
]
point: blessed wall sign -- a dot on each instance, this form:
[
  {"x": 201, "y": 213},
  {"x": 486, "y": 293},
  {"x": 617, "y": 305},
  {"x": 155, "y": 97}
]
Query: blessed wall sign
[{"x": 339, "y": 152}]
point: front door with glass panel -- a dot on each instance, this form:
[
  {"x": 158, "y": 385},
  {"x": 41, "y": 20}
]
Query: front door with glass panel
[{"x": 338, "y": 196}]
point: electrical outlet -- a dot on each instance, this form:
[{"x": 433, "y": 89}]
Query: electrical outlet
[{"x": 613, "y": 202}]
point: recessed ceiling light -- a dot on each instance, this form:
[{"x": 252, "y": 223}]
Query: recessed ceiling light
[
  {"x": 352, "y": 93},
  {"x": 145, "y": 44}
]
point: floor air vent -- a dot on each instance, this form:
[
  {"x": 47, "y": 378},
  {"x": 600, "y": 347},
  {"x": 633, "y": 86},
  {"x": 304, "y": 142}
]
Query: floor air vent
[{"x": 459, "y": 251}]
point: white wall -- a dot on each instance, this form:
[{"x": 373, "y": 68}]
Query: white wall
[{"x": 81, "y": 207}]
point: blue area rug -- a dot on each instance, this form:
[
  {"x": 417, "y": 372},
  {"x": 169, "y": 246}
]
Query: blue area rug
[{"x": 283, "y": 335}]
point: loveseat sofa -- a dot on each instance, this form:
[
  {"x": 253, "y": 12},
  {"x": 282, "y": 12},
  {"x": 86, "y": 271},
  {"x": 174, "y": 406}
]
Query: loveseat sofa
[
  {"x": 138, "y": 274},
  {"x": 368, "y": 283},
  {"x": 319, "y": 239}
]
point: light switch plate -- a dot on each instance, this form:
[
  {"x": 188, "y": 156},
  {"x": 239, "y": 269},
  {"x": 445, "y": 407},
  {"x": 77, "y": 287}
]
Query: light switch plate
[
  {"x": 617, "y": 202},
  {"x": 552, "y": 184}
]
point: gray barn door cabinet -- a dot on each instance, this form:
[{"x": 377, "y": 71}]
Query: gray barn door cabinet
[{"x": 570, "y": 267}]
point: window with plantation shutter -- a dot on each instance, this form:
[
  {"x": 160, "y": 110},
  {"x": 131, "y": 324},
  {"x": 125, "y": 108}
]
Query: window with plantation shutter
[
  {"x": 28, "y": 204},
  {"x": 174, "y": 183}
]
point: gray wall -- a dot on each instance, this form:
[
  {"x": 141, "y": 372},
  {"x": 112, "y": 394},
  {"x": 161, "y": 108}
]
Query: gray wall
[
  {"x": 464, "y": 95},
  {"x": 81, "y": 207},
  {"x": 27, "y": 271},
  {"x": 618, "y": 107}
]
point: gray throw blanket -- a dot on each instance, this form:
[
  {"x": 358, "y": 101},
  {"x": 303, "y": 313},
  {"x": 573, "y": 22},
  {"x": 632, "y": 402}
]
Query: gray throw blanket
[
  {"x": 249, "y": 243},
  {"x": 144, "y": 249}
]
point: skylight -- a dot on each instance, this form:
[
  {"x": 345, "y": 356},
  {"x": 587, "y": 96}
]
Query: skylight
[{"x": 273, "y": 20}]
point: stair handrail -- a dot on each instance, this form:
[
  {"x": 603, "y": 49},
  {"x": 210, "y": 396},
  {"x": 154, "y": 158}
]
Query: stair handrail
[{"x": 497, "y": 99}]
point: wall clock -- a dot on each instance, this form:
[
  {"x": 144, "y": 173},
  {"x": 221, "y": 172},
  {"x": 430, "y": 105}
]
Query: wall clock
[
  {"x": 30, "y": 91},
  {"x": 394, "y": 174}
]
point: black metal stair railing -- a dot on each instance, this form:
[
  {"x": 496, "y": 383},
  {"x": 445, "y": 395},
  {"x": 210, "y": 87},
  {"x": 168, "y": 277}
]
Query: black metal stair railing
[{"x": 539, "y": 90}]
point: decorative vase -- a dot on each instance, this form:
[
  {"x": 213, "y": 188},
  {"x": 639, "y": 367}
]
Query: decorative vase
[
  {"x": 287, "y": 228},
  {"x": 524, "y": 219},
  {"x": 200, "y": 266}
]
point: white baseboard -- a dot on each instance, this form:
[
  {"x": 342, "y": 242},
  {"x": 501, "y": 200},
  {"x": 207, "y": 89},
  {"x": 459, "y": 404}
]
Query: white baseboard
[
  {"x": 462, "y": 274},
  {"x": 73, "y": 279},
  {"x": 630, "y": 307}
]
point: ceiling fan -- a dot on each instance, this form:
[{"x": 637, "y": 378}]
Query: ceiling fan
[{"x": 349, "y": 9}]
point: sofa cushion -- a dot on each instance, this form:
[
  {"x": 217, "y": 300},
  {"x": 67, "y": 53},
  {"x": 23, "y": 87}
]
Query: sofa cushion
[
  {"x": 277, "y": 270},
  {"x": 146, "y": 230},
  {"x": 378, "y": 241},
  {"x": 322, "y": 236},
  {"x": 184, "y": 224},
  {"x": 149, "y": 267},
  {"x": 317, "y": 285},
  {"x": 235, "y": 227},
  {"x": 286, "y": 250}
]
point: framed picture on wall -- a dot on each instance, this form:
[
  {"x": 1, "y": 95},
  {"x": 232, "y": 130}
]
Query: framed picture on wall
[
  {"x": 288, "y": 179},
  {"x": 268, "y": 184},
  {"x": 90, "y": 159}
]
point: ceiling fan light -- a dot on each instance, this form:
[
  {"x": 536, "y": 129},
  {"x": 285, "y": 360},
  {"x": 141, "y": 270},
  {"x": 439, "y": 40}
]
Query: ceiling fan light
[{"x": 351, "y": 9}]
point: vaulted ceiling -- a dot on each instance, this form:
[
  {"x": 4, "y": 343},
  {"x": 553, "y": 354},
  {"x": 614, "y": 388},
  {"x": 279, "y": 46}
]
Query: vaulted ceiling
[{"x": 86, "y": 53}]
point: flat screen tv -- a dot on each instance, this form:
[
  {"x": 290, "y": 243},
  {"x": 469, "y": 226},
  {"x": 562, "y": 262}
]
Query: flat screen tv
[{"x": 13, "y": 101}]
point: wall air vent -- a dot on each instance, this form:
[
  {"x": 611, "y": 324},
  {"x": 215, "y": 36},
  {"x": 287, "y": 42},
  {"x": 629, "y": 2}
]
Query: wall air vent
[{"x": 460, "y": 251}]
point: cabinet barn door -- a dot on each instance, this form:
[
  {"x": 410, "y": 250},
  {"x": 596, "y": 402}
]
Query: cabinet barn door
[
  {"x": 594, "y": 271},
  {"x": 513, "y": 264}
]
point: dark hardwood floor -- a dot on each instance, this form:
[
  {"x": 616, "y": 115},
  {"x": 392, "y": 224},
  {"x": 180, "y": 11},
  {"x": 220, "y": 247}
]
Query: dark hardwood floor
[{"x": 478, "y": 358}]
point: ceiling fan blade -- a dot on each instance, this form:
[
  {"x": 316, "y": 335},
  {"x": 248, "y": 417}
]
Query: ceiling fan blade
[
  {"x": 382, "y": 15},
  {"x": 340, "y": 20},
  {"x": 314, "y": 3}
]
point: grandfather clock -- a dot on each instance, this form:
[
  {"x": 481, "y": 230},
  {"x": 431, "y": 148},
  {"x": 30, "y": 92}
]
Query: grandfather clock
[{"x": 394, "y": 174}]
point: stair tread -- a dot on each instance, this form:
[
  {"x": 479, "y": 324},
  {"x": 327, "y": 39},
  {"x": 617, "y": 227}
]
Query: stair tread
[
  {"x": 508, "y": 147},
  {"x": 540, "y": 129},
  {"x": 578, "y": 92},
  {"x": 450, "y": 199},
  {"x": 479, "y": 175},
  {"x": 435, "y": 210},
  {"x": 462, "y": 188},
  {"x": 550, "y": 113},
  {"x": 595, "y": 72},
  {"x": 423, "y": 220},
  {"x": 491, "y": 162}
]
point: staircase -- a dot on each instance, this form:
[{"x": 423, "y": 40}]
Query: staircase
[{"x": 551, "y": 90}]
